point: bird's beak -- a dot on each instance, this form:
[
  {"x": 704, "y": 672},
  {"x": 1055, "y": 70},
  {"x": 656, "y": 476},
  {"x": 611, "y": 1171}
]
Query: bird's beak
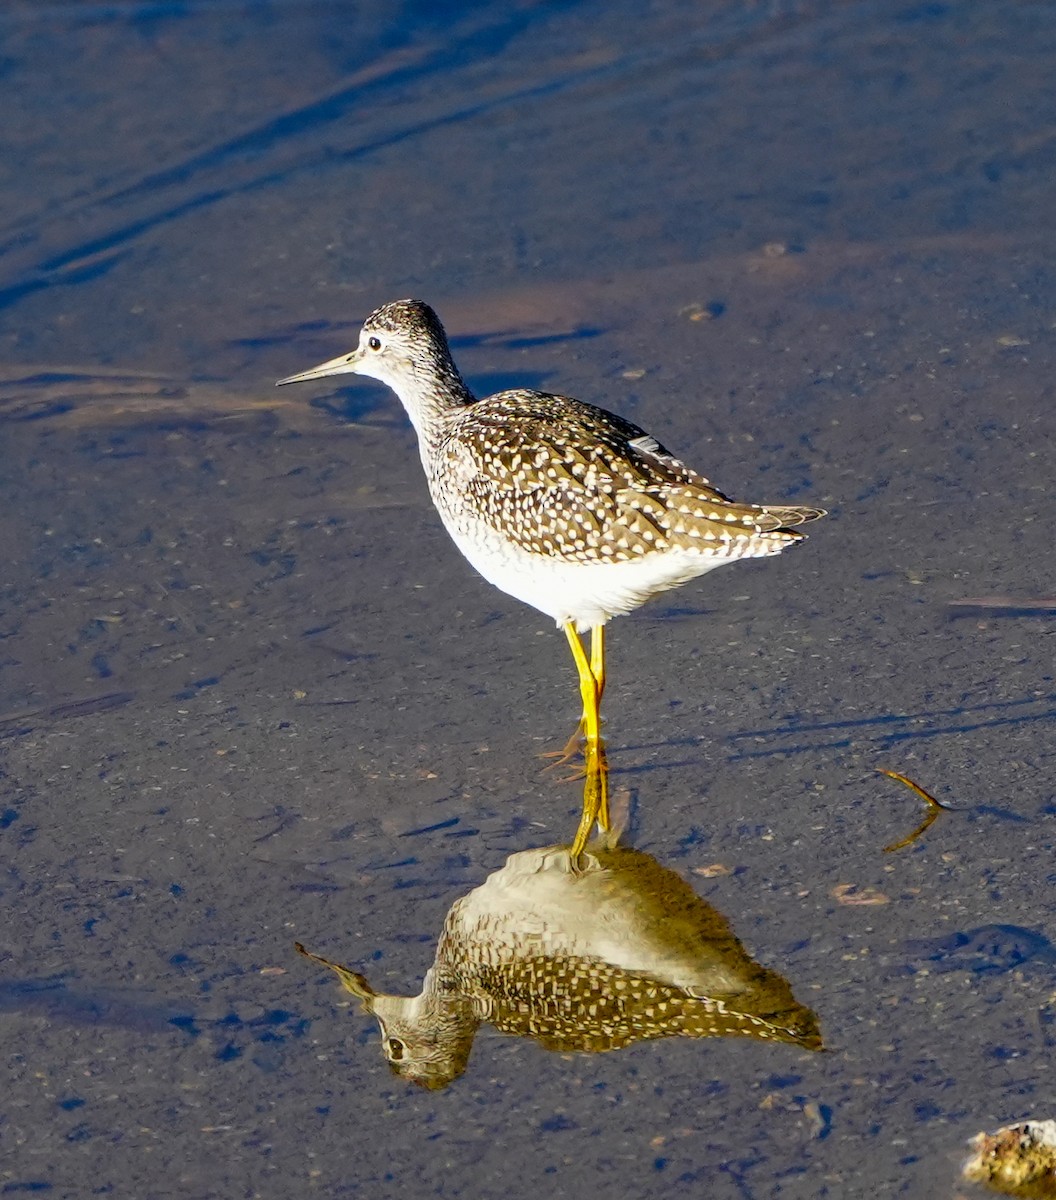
[
  {"x": 352, "y": 980},
  {"x": 344, "y": 363}
]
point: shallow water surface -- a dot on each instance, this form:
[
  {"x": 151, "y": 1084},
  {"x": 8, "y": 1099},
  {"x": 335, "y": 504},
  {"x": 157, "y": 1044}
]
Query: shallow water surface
[{"x": 251, "y": 696}]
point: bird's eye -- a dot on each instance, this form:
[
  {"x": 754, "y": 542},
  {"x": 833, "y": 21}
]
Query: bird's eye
[
  {"x": 374, "y": 343},
  {"x": 395, "y": 1048}
]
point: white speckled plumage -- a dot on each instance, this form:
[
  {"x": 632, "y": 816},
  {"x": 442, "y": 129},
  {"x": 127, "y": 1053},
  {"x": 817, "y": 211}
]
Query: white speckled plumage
[
  {"x": 582, "y": 956},
  {"x": 565, "y": 506}
]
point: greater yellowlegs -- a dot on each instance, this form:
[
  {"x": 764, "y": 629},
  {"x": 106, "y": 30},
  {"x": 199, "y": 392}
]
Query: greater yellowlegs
[
  {"x": 583, "y": 956},
  {"x": 565, "y": 506}
]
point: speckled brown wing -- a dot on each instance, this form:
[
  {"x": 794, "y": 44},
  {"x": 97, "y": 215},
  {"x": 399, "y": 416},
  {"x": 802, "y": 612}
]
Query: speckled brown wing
[
  {"x": 586, "y": 1005},
  {"x": 568, "y": 480}
]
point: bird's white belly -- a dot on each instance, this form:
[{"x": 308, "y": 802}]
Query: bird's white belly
[{"x": 585, "y": 593}]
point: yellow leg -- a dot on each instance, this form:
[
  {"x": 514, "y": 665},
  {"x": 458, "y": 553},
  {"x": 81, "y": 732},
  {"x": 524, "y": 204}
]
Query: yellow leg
[
  {"x": 597, "y": 659},
  {"x": 588, "y": 684},
  {"x": 598, "y": 769},
  {"x": 595, "y": 797},
  {"x": 591, "y": 687}
]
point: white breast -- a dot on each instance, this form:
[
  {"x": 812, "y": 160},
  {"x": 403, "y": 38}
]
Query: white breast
[{"x": 586, "y": 594}]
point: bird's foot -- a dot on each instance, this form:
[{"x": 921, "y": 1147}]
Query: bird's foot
[{"x": 567, "y": 754}]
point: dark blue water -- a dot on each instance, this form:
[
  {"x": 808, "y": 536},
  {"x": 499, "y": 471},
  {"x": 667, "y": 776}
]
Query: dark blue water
[{"x": 249, "y": 693}]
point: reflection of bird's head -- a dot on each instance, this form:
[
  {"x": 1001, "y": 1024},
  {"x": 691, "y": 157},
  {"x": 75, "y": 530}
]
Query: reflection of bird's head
[{"x": 425, "y": 1039}]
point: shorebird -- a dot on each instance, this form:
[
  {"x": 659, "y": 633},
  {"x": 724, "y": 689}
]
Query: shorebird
[
  {"x": 583, "y": 955},
  {"x": 565, "y": 506}
]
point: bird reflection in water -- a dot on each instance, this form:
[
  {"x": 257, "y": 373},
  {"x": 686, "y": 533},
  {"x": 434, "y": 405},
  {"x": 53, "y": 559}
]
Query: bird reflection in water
[{"x": 587, "y": 954}]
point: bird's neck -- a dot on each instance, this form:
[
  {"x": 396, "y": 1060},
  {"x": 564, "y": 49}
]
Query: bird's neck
[{"x": 431, "y": 398}]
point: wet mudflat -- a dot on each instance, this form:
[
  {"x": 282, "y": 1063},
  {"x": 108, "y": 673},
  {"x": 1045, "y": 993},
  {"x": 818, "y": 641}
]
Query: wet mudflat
[{"x": 252, "y": 696}]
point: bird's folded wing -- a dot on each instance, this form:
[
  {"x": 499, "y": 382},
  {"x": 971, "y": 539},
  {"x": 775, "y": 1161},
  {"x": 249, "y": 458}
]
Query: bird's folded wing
[{"x": 557, "y": 480}]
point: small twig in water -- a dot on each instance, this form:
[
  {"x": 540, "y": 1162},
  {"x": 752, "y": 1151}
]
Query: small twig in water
[{"x": 934, "y": 808}]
